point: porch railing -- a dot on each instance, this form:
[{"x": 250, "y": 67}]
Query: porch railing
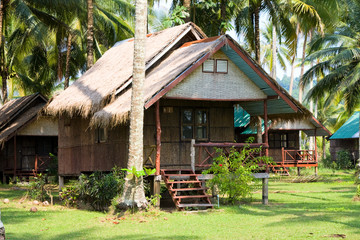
[
  {"x": 298, "y": 156},
  {"x": 206, "y": 152},
  {"x": 41, "y": 164}
]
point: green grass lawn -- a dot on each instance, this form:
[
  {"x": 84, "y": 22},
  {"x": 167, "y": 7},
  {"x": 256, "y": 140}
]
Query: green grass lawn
[{"x": 296, "y": 211}]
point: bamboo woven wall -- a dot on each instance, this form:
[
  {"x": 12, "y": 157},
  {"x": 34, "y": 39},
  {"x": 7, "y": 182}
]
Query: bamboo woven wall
[{"x": 232, "y": 85}]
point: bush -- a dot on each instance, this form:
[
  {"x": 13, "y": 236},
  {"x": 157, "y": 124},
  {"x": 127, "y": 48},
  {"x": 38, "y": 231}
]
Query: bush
[
  {"x": 37, "y": 188},
  {"x": 326, "y": 162},
  {"x": 98, "y": 189},
  {"x": 358, "y": 191},
  {"x": 69, "y": 196},
  {"x": 233, "y": 172},
  {"x": 344, "y": 160}
]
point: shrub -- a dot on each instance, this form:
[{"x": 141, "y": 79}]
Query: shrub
[
  {"x": 344, "y": 160},
  {"x": 233, "y": 172},
  {"x": 69, "y": 196},
  {"x": 37, "y": 188},
  {"x": 98, "y": 189},
  {"x": 358, "y": 191},
  {"x": 326, "y": 162}
]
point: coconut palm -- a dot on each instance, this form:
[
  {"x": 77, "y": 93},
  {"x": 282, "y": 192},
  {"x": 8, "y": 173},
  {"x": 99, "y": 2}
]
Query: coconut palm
[
  {"x": 247, "y": 22},
  {"x": 133, "y": 194}
]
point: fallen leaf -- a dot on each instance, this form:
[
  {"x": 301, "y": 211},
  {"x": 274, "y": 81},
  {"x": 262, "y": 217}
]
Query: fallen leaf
[
  {"x": 43, "y": 219},
  {"x": 165, "y": 218},
  {"x": 115, "y": 222}
]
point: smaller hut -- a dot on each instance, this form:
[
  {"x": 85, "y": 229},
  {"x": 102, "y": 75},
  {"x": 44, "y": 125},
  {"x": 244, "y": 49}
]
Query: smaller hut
[
  {"x": 26, "y": 139},
  {"x": 346, "y": 138}
]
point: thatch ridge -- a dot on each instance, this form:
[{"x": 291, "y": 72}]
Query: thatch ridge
[{"x": 96, "y": 88}]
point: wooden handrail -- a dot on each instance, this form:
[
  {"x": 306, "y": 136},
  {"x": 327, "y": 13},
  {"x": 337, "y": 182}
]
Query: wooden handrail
[
  {"x": 219, "y": 145},
  {"x": 298, "y": 156}
]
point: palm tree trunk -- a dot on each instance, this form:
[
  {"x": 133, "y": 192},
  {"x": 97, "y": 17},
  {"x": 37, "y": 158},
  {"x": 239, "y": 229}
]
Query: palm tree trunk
[
  {"x": 90, "y": 35},
  {"x": 67, "y": 64},
  {"x": 293, "y": 61},
  {"x": 222, "y": 15},
  {"x": 59, "y": 62},
  {"x": 187, "y": 4},
  {"x": 133, "y": 195},
  {"x": 301, "y": 89},
  {"x": 257, "y": 34},
  {"x": 3, "y": 68},
  {"x": 274, "y": 53}
]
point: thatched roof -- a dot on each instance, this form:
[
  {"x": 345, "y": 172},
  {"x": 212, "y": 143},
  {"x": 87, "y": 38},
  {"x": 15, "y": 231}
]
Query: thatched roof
[
  {"x": 97, "y": 87},
  {"x": 178, "y": 61},
  {"x": 16, "y": 113},
  {"x": 104, "y": 92}
]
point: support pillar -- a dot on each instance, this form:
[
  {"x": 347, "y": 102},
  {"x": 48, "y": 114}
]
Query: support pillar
[
  {"x": 156, "y": 189},
  {"x": 15, "y": 153},
  {"x": 61, "y": 182},
  {"x": 265, "y": 191},
  {"x": 316, "y": 155},
  {"x": 299, "y": 171},
  {"x": 157, "y": 178}
]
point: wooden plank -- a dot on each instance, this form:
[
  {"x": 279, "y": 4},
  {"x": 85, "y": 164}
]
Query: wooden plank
[
  {"x": 158, "y": 138},
  {"x": 195, "y": 205},
  {"x": 191, "y": 196}
]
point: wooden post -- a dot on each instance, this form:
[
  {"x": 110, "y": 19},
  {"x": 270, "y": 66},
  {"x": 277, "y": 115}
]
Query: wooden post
[
  {"x": 157, "y": 178},
  {"x": 266, "y": 132},
  {"x": 15, "y": 151},
  {"x": 192, "y": 154},
  {"x": 61, "y": 182},
  {"x": 158, "y": 137},
  {"x": 265, "y": 191},
  {"x": 316, "y": 154}
]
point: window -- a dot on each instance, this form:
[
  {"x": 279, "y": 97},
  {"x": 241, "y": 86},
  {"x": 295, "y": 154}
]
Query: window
[
  {"x": 100, "y": 135},
  {"x": 208, "y": 65},
  {"x": 282, "y": 140},
  {"x": 221, "y": 66},
  {"x": 194, "y": 124}
]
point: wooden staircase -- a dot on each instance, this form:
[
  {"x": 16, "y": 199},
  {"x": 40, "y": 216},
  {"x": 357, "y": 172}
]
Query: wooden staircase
[
  {"x": 186, "y": 190},
  {"x": 280, "y": 169}
]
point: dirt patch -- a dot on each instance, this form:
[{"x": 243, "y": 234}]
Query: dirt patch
[
  {"x": 335, "y": 236},
  {"x": 356, "y": 199}
]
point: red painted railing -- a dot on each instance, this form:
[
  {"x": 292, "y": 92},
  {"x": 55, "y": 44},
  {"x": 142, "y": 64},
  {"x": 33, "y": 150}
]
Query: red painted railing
[
  {"x": 206, "y": 152},
  {"x": 41, "y": 164},
  {"x": 298, "y": 156}
]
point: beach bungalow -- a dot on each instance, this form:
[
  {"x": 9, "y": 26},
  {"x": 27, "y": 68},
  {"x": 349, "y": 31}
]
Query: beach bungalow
[
  {"x": 192, "y": 85},
  {"x": 346, "y": 138},
  {"x": 26, "y": 139}
]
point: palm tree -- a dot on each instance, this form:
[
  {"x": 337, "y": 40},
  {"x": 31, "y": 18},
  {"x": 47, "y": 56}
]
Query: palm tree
[
  {"x": 310, "y": 16},
  {"x": 247, "y": 22},
  {"x": 133, "y": 195}
]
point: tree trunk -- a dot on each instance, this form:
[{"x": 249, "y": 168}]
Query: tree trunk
[
  {"x": 293, "y": 61},
  {"x": 133, "y": 195},
  {"x": 301, "y": 89},
  {"x": 274, "y": 53},
  {"x": 59, "y": 62},
  {"x": 3, "y": 69},
  {"x": 223, "y": 16},
  {"x": 187, "y": 4},
  {"x": 257, "y": 34},
  {"x": 259, "y": 131},
  {"x": 90, "y": 35},
  {"x": 67, "y": 64}
]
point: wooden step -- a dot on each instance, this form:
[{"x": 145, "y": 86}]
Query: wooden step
[
  {"x": 192, "y": 196},
  {"x": 182, "y": 174},
  {"x": 185, "y": 182},
  {"x": 188, "y": 189},
  {"x": 183, "y": 205},
  {"x": 176, "y": 170}
]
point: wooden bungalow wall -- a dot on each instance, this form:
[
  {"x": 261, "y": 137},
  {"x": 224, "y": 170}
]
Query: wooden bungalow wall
[
  {"x": 78, "y": 151},
  {"x": 27, "y": 147},
  {"x": 351, "y": 145}
]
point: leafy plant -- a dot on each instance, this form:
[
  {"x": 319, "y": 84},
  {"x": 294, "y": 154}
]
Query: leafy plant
[
  {"x": 233, "y": 172},
  {"x": 334, "y": 166},
  {"x": 69, "y": 196},
  {"x": 131, "y": 173},
  {"x": 98, "y": 189},
  {"x": 358, "y": 191},
  {"x": 344, "y": 160},
  {"x": 37, "y": 188}
]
